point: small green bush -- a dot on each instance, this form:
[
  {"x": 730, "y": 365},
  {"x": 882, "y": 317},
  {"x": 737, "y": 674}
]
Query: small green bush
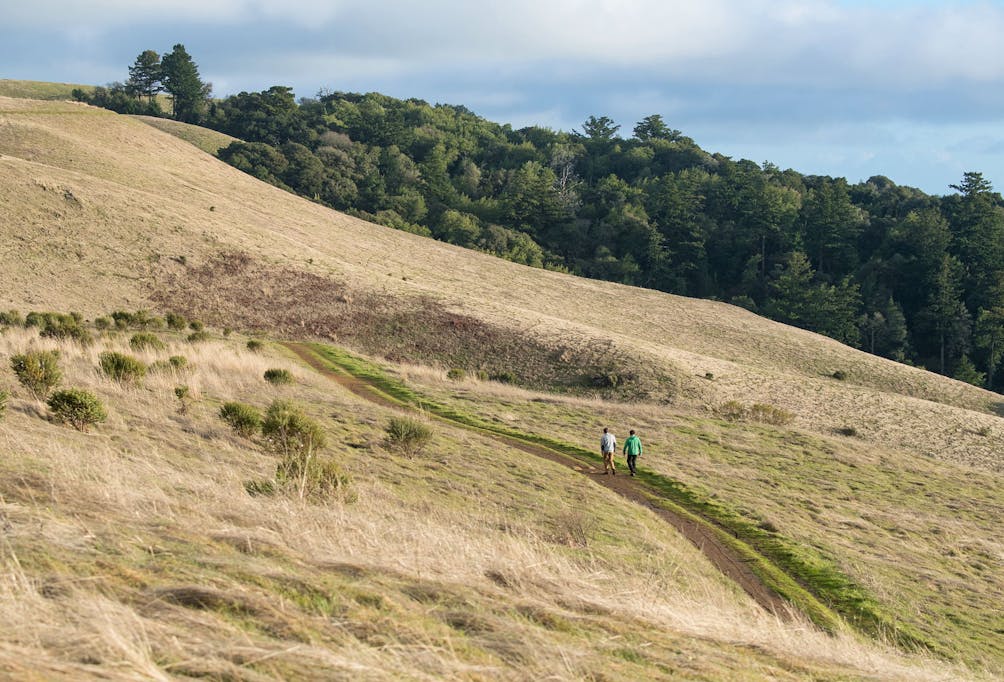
[
  {"x": 254, "y": 345},
  {"x": 183, "y": 394},
  {"x": 733, "y": 411},
  {"x": 244, "y": 419},
  {"x": 456, "y": 374},
  {"x": 38, "y": 371},
  {"x": 196, "y": 326},
  {"x": 65, "y": 327},
  {"x": 102, "y": 323},
  {"x": 839, "y": 375},
  {"x": 769, "y": 414},
  {"x": 122, "y": 368},
  {"x": 122, "y": 319},
  {"x": 504, "y": 377},
  {"x": 288, "y": 431},
  {"x": 11, "y": 318},
  {"x": 77, "y": 407},
  {"x": 178, "y": 362},
  {"x": 278, "y": 377},
  {"x": 36, "y": 319},
  {"x": 848, "y": 431},
  {"x": 145, "y": 340},
  {"x": 298, "y": 440},
  {"x": 4, "y": 397},
  {"x": 407, "y": 436},
  {"x": 198, "y": 336},
  {"x": 142, "y": 319},
  {"x": 175, "y": 321}
]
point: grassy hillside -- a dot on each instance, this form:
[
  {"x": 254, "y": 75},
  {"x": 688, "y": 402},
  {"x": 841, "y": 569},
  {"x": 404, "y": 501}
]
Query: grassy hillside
[
  {"x": 40, "y": 89},
  {"x": 889, "y": 474},
  {"x": 133, "y": 549}
]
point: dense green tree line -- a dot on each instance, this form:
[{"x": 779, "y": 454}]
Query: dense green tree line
[{"x": 883, "y": 267}]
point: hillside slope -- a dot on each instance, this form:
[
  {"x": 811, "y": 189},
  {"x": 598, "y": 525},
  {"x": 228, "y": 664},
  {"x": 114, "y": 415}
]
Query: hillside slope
[
  {"x": 96, "y": 201},
  {"x": 100, "y": 212}
]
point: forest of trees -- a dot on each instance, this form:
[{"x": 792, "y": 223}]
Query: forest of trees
[{"x": 886, "y": 268}]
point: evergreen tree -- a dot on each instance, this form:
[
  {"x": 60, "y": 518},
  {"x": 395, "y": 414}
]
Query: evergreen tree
[
  {"x": 990, "y": 338},
  {"x": 945, "y": 317},
  {"x": 145, "y": 75},
  {"x": 180, "y": 77}
]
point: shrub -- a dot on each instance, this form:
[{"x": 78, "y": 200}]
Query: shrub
[
  {"x": 732, "y": 410},
  {"x": 456, "y": 374},
  {"x": 183, "y": 394},
  {"x": 122, "y": 319},
  {"x": 142, "y": 319},
  {"x": 254, "y": 345},
  {"x": 504, "y": 377},
  {"x": 176, "y": 322},
  {"x": 175, "y": 363},
  {"x": 64, "y": 327},
  {"x": 848, "y": 431},
  {"x": 298, "y": 440},
  {"x": 11, "y": 318},
  {"x": 77, "y": 407},
  {"x": 288, "y": 431},
  {"x": 38, "y": 371},
  {"x": 769, "y": 414},
  {"x": 35, "y": 319},
  {"x": 102, "y": 323},
  {"x": 145, "y": 340},
  {"x": 196, "y": 326},
  {"x": 122, "y": 368},
  {"x": 4, "y": 397},
  {"x": 277, "y": 377},
  {"x": 244, "y": 419},
  {"x": 839, "y": 375},
  {"x": 407, "y": 436},
  {"x": 227, "y": 331},
  {"x": 199, "y": 336}
]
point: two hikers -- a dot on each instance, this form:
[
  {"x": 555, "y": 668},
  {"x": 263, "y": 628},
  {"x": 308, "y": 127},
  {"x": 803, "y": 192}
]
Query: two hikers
[{"x": 632, "y": 448}]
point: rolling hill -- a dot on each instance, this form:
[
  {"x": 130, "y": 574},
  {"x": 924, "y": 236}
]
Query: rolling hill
[{"x": 889, "y": 475}]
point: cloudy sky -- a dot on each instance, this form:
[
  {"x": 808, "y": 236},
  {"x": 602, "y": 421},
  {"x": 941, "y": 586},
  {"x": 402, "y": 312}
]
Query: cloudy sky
[{"x": 910, "y": 89}]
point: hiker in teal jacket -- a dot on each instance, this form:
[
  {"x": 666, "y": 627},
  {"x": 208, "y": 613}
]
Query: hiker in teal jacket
[{"x": 632, "y": 448}]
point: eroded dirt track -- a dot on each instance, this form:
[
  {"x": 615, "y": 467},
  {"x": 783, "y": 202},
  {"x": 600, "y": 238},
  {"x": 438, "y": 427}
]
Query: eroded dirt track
[{"x": 719, "y": 554}]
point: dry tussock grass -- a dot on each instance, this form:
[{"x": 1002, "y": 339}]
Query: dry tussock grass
[{"x": 101, "y": 526}]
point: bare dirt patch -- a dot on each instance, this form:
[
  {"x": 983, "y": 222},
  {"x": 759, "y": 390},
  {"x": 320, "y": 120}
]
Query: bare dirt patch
[{"x": 235, "y": 290}]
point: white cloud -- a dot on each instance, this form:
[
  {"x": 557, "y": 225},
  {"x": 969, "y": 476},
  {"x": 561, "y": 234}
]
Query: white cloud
[{"x": 750, "y": 41}]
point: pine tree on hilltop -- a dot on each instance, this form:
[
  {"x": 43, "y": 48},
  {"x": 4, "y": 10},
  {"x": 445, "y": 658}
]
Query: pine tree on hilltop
[
  {"x": 180, "y": 77},
  {"x": 145, "y": 75}
]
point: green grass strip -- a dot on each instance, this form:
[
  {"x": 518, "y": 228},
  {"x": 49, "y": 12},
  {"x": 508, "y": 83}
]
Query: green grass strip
[{"x": 797, "y": 573}]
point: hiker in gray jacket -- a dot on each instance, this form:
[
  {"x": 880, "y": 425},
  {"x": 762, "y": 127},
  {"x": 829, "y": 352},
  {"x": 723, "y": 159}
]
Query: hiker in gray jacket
[{"x": 608, "y": 444}]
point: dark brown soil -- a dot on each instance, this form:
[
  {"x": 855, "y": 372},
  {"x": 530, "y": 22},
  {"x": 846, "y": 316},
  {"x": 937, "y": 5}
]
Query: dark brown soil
[{"x": 704, "y": 538}]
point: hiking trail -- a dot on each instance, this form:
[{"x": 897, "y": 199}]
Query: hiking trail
[{"x": 721, "y": 556}]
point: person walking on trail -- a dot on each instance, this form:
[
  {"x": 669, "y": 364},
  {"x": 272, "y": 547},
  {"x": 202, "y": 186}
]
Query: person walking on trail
[
  {"x": 632, "y": 448},
  {"x": 608, "y": 444}
]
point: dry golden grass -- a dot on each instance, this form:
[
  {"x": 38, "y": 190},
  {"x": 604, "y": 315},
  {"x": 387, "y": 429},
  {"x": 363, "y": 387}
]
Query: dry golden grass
[{"x": 132, "y": 551}]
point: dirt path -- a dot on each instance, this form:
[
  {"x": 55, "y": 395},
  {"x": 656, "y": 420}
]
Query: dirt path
[{"x": 720, "y": 555}]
